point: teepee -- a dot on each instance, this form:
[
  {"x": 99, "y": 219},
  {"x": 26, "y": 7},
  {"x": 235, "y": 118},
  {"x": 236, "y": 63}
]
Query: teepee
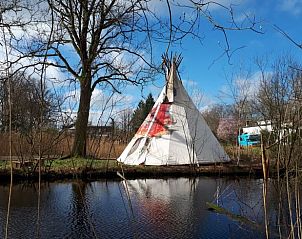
[{"x": 174, "y": 132}]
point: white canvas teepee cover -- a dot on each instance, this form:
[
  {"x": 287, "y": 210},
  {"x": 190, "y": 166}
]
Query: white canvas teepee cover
[{"x": 174, "y": 132}]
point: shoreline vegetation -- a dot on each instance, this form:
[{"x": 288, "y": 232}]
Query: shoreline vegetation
[
  {"x": 56, "y": 168},
  {"x": 94, "y": 169}
]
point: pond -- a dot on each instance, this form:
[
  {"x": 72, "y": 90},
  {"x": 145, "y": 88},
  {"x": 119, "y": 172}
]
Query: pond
[{"x": 142, "y": 208}]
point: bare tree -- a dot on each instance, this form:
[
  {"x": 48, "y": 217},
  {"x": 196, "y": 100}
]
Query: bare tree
[
  {"x": 215, "y": 113},
  {"x": 110, "y": 43},
  {"x": 8, "y": 7},
  {"x": 25, "y": 97},
  {"x": 101, "y": 35},
  {"x": 279, "y": 101},
  {"x": 240, "y": 91}
]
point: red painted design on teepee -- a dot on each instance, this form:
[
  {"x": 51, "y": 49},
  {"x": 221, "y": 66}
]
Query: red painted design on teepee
[{"x": 160, "y": 123}]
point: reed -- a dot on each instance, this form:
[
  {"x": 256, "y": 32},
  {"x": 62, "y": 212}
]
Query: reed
[{"x": 53, "y": 144}]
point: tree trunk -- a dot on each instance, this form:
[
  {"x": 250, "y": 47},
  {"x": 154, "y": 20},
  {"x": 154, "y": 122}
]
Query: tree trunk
[{"x": 79, "y": 144}]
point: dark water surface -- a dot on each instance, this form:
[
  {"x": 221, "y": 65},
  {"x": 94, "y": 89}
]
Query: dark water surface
[{"x": 159, "y": 208}]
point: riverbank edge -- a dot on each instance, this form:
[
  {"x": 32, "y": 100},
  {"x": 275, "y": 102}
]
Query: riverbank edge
[{"x": 135, "y": 172}]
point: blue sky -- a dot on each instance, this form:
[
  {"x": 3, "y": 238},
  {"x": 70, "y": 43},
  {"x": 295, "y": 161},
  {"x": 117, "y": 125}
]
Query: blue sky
[
  {"x": 209, "y": 77},
  {"x": 200, "y": 68}
]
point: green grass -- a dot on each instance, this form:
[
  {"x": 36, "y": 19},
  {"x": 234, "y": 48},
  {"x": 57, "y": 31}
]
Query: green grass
[
  {"x": 79, "y": 163},
  {"x": 70, "y": 164},
  {"x": 3, "y": 164}
]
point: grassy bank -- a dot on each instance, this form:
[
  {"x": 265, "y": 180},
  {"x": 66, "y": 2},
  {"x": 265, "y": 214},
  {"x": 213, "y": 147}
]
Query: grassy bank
[
  {"x": 92, "y": 169},
  {"x": 88, "y": 168},
  {"x": 252, "y": 154}
]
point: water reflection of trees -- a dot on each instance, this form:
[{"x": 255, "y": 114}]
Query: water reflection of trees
[
  {"x": 23, "y": 194},
  {"x": 288, "y": 215},
  {"x": 244, "y": 197},
  {"x": 24, "y": 200},
  {"x": 80, "y": 215},
  {"x": 180, "y": 205},
  {"x": 173, "y": 208},
  {"x": 183, "y": 200}
]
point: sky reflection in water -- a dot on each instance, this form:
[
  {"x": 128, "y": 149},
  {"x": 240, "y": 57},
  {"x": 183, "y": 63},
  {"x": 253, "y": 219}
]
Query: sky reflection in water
[{"x": 159, "y": 208}]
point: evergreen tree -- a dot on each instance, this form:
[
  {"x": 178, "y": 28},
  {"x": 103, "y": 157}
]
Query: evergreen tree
[
  {"x": 141, "y": 112},
  {"x": 148, "y": 104}
]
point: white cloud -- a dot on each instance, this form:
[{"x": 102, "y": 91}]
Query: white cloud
[
  {"x": 293, "y": 7},
  {"x": 103, "y": 105},
  {"x": 207, "y": 103},
  {"x": 201, "y": 100},
  {"x": 55, "y": 76},
  {"x": 183, "y": 6},
  {"x": 241, "y": 17},
  {"x": 241, "y": 87}
]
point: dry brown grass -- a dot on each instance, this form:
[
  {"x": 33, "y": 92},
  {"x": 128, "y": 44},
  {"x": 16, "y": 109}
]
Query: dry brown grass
[
  {"x": 57, "y": 145},
  {"x": 250, "y": 154}
]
